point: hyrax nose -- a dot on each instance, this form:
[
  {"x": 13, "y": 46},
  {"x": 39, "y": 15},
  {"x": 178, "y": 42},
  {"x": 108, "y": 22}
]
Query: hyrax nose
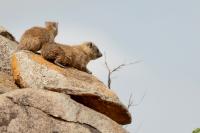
[{"x": 100, "y": 54}]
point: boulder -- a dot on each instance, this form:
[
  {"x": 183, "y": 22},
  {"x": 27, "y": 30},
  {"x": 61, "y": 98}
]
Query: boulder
[
  {"x": 6, "y": 83},
  {"x": 32, "y": 71},
  {"x": 42, "y": 111},
  {"x": 7, "y": 47}
]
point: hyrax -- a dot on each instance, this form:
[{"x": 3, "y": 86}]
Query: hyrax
[
  {"x": 77, "y": 56},
  {"x": 35, "y": 37}
]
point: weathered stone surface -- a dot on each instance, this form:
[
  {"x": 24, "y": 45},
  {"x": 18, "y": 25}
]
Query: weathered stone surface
[
  {"x": 31, "y": 70},
  {"x": 7, "y": 47},
  {"x": 6, "y": 34},
  {"x": 6, "y": 83},
  {"x": 42, "y": 111}
]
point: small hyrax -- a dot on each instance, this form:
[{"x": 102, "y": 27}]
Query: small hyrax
[
  {"x": 35, "y": 37},
  {"x": 77, "y": 56}
]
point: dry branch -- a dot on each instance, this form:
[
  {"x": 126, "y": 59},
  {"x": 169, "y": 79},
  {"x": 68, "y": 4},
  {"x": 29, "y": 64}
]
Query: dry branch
[{"x": 111, "y": 71}]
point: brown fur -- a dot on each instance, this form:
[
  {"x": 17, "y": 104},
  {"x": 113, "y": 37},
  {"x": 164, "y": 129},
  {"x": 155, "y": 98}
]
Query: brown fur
[
  {"x": 77, "y": 56},
  {"x": 8, "y": 35},
  {"x": 35, "y": 37}
]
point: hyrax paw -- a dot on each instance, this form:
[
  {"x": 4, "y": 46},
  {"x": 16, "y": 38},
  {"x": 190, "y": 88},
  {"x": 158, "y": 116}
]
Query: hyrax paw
[{"x": 88, "y": 71}]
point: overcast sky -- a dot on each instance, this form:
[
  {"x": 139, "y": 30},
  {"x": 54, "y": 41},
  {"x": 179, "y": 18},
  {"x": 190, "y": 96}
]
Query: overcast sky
[{"x": 165, "y": 35}]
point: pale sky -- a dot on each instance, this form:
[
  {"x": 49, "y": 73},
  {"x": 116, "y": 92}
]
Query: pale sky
[{"x": 165, "y": 35}]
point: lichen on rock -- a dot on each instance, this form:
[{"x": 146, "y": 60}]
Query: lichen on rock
[{"x": 7, "y": 47}]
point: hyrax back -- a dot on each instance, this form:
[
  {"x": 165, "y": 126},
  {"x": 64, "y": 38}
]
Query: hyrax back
[
  {"x": 35, "y": 37},
  {"x": 77, "y": 56}
]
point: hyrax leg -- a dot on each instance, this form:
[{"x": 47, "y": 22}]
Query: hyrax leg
[
  {"x": 86, "y": 70},
  {"x": 57, "y": 63},
  {"x": 62, "y": 60}
]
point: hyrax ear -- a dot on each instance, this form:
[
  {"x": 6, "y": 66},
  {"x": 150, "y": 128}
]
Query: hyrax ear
[
  {"x": 51, "y": 23},
  {"x": 47, "y": 23},
  {"x": 56, "y": 24},
  {"x": 90, "y": 44}
]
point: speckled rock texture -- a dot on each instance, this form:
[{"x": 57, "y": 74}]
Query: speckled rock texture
[
  {"x": 32, "y": 71},
  {"x": 6, "y": 83},
  {"x": 42, "y": 111},
  {"x": 7, "y": 47}
]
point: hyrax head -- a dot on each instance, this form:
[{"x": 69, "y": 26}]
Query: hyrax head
[
  {"x": 53, "y": 26},
  {"x": 92, "y": 50}
]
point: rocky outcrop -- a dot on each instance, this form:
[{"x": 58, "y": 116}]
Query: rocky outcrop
[
  {"x": 31, "y": 111},
  {"x": 37, "y": 96},
  {"x": 32, "y": 71},
  {"x": 6, "y": 83},
  {"x": 7, "y": 47}
]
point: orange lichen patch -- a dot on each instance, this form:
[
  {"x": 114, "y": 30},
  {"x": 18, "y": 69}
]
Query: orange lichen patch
[
  {"x": 15, "y": 68},
  {"x": 42, "y": 61},
  {"x": 16, "y": 71}
]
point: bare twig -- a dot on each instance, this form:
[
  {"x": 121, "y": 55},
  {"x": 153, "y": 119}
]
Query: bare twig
[
  {"x": 130, "y": 101},
  {"x": 132, "y": 104},
  {"x": 142, "y": 99},
  {"x": 111, "y": 71},
  {"x": 131, "y": 98},
  {"x": 123, "y": 65}
]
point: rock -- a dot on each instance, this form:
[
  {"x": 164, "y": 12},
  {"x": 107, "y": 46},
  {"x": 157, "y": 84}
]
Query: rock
[
  {"x": 42, "y": 111},
  {"x": 7, "y": 47},
  {"x": 32, "y": 71},
  {"x": 6, "y": 34},
  {"x": 6, "y": 83}
]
